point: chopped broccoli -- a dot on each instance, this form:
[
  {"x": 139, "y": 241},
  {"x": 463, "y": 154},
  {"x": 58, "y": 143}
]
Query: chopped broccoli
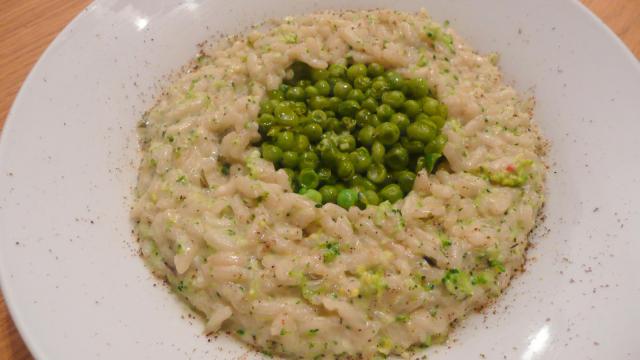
[{"x": 458, "y": 283}]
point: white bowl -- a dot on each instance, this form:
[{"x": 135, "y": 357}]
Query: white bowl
[{"x": 68, "y": 159}]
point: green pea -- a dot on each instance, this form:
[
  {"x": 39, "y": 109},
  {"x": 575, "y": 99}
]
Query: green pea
[
  {"x": 444, "y": 111},
  {"x": 377, "y": 152},
  {"x": 375, "y": 69},
  {"x": 377, "y": 173},
  {"x": 337, "y": 71},
  {"x": 412, "y": 108},
  {"x": 405, "y": 180},
  {"x": 286, "y": 140},
  {"x": 341, "y": 89},
  {"x": 313, "y": 131},
  {"x": 332, "y": 82},
  {"x": 384, "y": 112},
  {"x": 274, "y": 131},
  {"x": 368, "y": 197},
  {"x": 319, "y": 117},
  {"x": 430, "y": 106},
  {"x": 276, "y": 95},
  {"x": 319, "y": 74},
  {"x": 275, "y": 102},
  {"x": 374, "y": 120},
  {"x": 308, "y": 178},
  {"x": 366, "y": 135},
  {"x": 347, "y": 198},
  {"x": 265, "y": 121},
  {"x": 285, "y": 114},
  {"x": 391, "y": 193},
  {"x": 300, "y": 108},
  {"x": 346, "y": 142},
  {"x": 325, "y": 175},
  {"x": 348, "y": 108},
  {"x": 291, "y": 174},
  {"x": 318, "y": 103},
  {"x": 334, "y": 103},
  {"x": 394, "y": 98},
  {"x": 362, "y": 183},
  {"x": 282, "y": 88},
  {"x": 418, "y": 88},
  {"x": 344, "y": 168},
  {"x": 422, "y": 117},
  {"x": 414, "y": 147},
  {"x": 328, "y": 152},
  {"x": 362, "y": 83},
  {"x": 360, "y": 159},
  {"x": 302, "y": 143},
  {"x": 304, "y": 83},
  {"x": 362, "y": 117},
  {"x": 356, "y": 70},
  {"x": 323, "y": 87},
  {"x": 370, "y": 104},
  {"x": 271, "y": 152},
  {"x": 266, "y": 107},
  {"x": 313, "y": 195},
  {"x": 397, "y": 158},
  {"x": 331, "y": 113},
  {"x": 356, "y": 94},
  {"x": 340, "y": 156},
  {"x": 295, "y": 93},
  {"x": 421, "y": 131},
  {"x": 378, "y": 87},
  {"x": 437, "y": 120},
  {"x": 304, "y": 120},
  {"x": 349, "y": 123},
  {"x": 431, "y": 160},
  {"x": 387, "y": 133},
  {"x": 421, "y": 163},
  {"x": 401, "y": 120},
  {"x": 394, "y": 80},
  {"x": 290, "y": 159},
  {"x": 308, "y": 160},
  {"x": 329, "y": 194},
  {"x": 311, "y": 91},
  {"x": 335, "y": 125},
  {"x": 436, "y": 145}
]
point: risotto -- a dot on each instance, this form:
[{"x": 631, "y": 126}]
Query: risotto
[{"x": 302, "y": 278}]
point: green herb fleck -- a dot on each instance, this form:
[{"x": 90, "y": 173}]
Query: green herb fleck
[
  {"x": 224, "y": 169},
  {"x": 290, "y": 38},
  {"x": 182, "y": 179},
  {"x": 458, "y": 283},
  {"x": 181, "y": 286},
  {"x": 445, "y": 242},
  {"x": 332, "y": 250}
]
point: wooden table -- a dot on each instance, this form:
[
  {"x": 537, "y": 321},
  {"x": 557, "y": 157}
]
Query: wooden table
[{"x": 28, "y": 26}]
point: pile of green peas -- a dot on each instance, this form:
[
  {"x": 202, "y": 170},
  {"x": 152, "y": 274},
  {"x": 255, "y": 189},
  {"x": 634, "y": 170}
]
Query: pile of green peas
[{"x": 352, "y": 135}]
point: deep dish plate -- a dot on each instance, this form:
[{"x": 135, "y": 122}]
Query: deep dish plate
[{"x": 68, "y": 160}]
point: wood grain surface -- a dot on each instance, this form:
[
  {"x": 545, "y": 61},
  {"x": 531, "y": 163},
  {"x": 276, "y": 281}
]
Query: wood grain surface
[{"x": 28, "y": 26}]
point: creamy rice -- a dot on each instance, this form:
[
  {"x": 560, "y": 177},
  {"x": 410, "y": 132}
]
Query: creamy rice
[{"x": 247, "y": 253}]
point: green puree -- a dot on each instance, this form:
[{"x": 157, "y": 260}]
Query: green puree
[{"x": 352, "y": 135}]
